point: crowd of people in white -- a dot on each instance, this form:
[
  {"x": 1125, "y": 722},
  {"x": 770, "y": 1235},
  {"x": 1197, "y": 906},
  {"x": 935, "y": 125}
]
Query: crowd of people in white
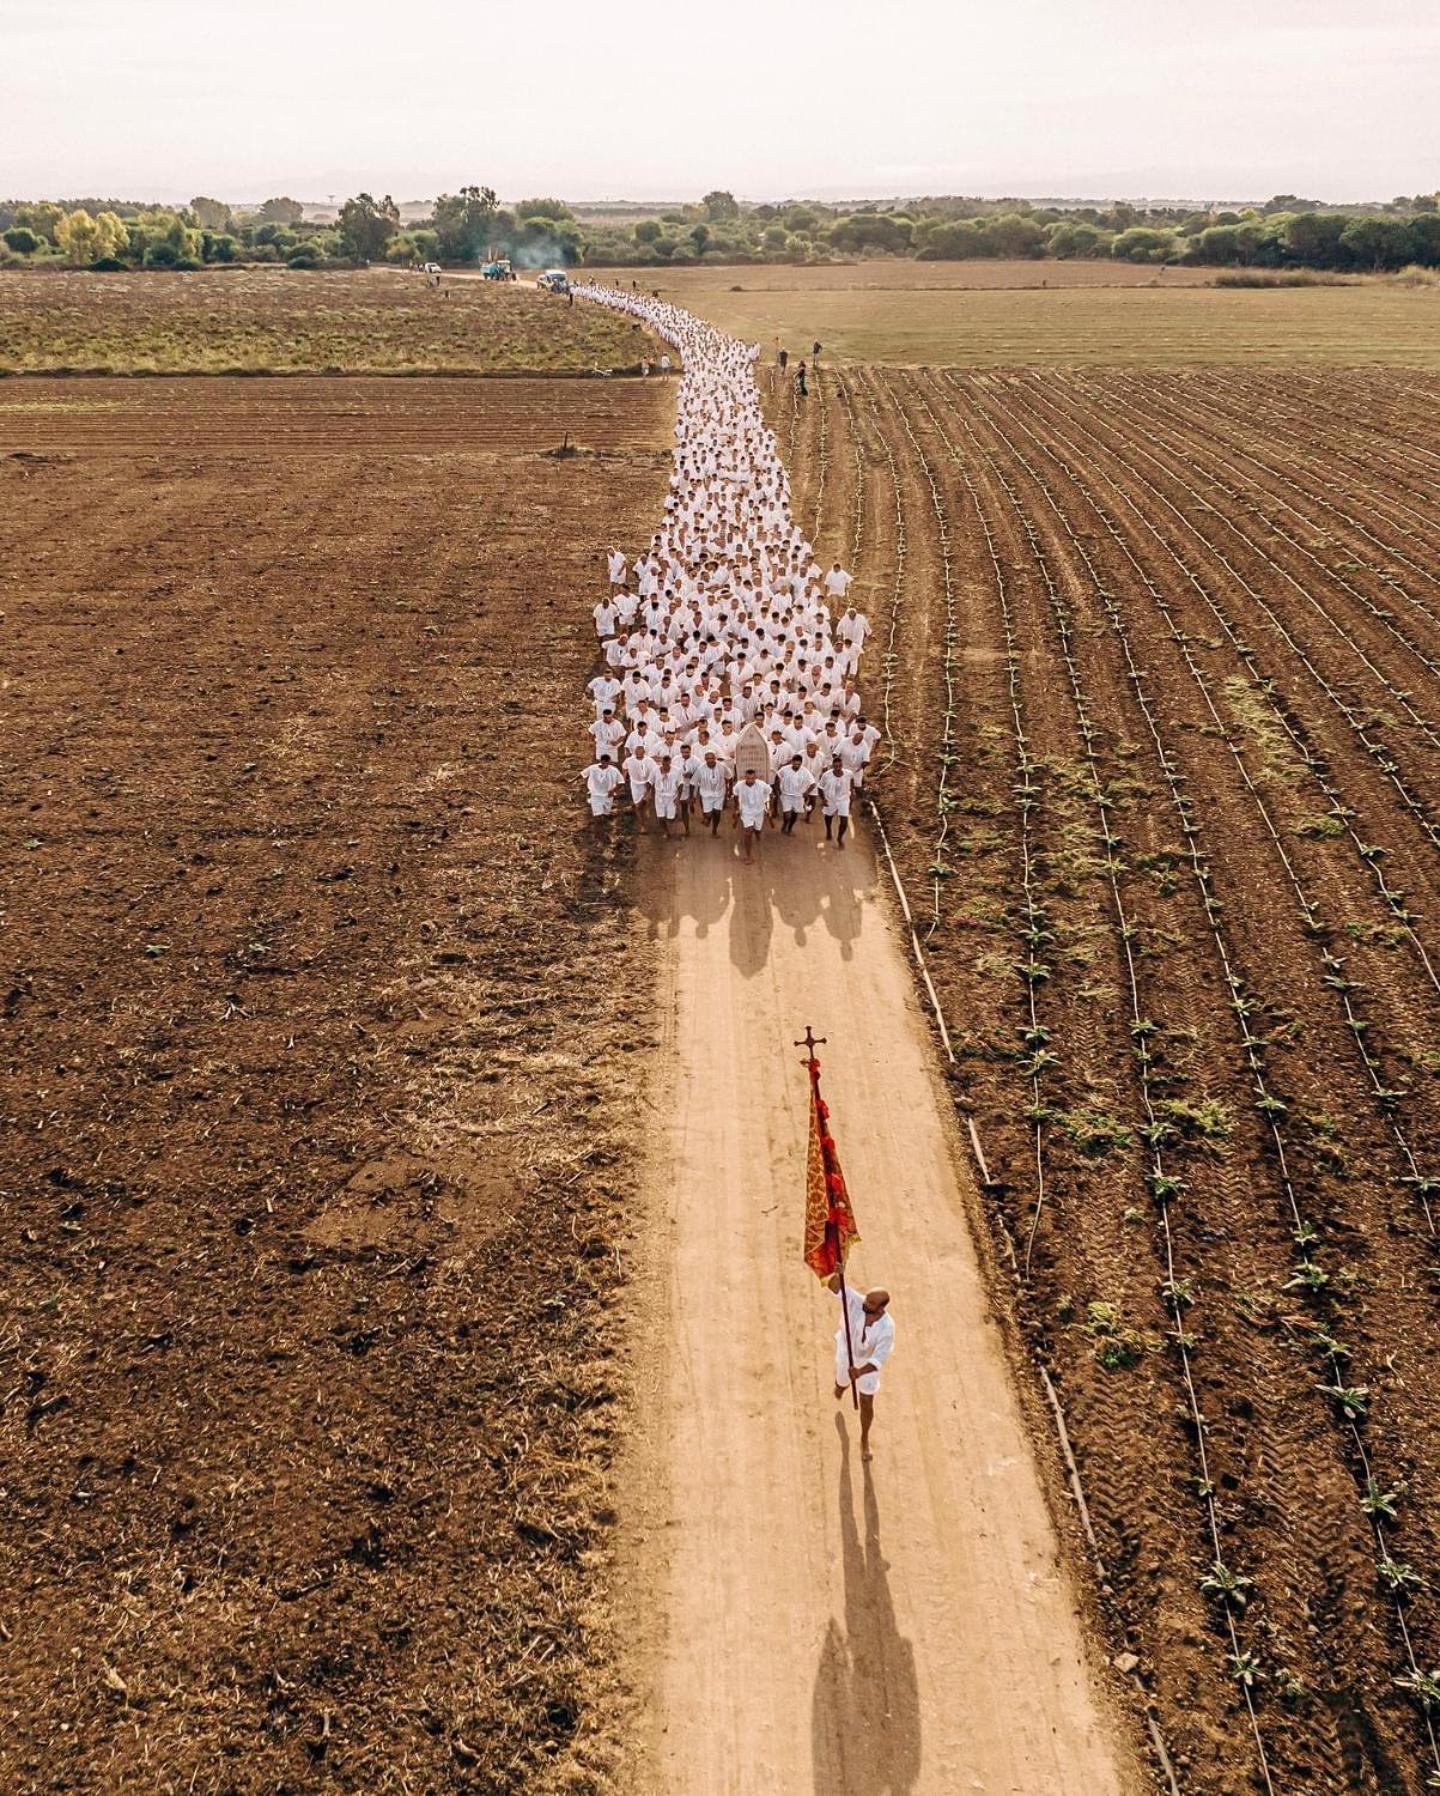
[{"x": 725, "y": 621}]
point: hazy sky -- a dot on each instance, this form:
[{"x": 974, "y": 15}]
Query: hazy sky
[{"x": 772, "y": 98}]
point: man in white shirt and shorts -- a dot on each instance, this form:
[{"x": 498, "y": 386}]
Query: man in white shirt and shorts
[
  {"x": 794, "y": 785},
  {"x": 835, "y": 786},
  {"x": 665, "y": 787},
  {"x": 601, "y": 779},
  {"x": 838, "y": 582},
  {"x": 711, "y": 783},
  {"x": 871, "y": 1340},
  {"x": 639, "y": 769},
  {"x": 752, "y": 804}
]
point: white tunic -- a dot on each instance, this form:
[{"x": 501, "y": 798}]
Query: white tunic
[
  {"x": 710, "y": 783},
  {"x": 872, "y": 1340},
  {"x": 835, "y": 793},
  {"x": 729, "y": 586},
  {"x": 754, "y": 802},
  {"x": 601, "y": 783},
  {"x": 637, "y": 769},
  {"x": 796, "y": 786},
  {"x": 666, "y": 787}
]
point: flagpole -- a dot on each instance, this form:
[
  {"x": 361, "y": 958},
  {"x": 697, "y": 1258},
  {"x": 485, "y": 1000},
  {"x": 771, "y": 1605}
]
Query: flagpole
[
  {"x": 812, "y": 1066},
  {"x": 849, "y": 1342}
]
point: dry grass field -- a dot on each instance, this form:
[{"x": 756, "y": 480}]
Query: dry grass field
[
  {"x": 997, "y": 314},
  {"x": 284, "y": 321},
  {"x": 319, "y": 1012},
  {"x": 1161, "y": 769}
]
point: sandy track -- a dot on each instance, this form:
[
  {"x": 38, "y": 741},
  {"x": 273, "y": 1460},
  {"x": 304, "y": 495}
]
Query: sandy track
[{"x": 809, "y": 1624}]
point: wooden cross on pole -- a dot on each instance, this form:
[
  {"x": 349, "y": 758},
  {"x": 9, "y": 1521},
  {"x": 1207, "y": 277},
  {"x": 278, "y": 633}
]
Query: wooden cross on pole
[{"x": 810, "y": 1043}]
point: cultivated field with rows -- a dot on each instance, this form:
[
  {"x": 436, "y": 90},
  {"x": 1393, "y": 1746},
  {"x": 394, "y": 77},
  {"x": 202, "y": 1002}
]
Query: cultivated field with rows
[{"x": 1160, "y": 695}]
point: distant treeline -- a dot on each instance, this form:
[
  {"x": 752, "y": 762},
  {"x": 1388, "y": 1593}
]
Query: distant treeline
[
  {"x": 471, "y": 226},
  {"x": 465, "y": 227}
]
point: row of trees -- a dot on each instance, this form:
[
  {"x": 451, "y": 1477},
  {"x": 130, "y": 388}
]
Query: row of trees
[
  {"x": 471, "y": 225},
  {"x": 464, "y": 227},
  {"x": 955, "y": 230},
  {"x": 112, "y": 234}
]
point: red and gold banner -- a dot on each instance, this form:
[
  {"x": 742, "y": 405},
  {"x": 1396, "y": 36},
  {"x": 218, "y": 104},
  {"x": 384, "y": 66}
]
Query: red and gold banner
[{"x": 830, "y": 1229}]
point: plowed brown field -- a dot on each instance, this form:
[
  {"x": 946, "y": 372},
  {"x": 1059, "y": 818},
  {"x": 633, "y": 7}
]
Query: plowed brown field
[
  {"x": 1161, "y": 772},
  {"x": 307, "y": 416},
  {"x": 318, "y": 1002}
]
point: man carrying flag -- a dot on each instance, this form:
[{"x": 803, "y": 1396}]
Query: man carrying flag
[{"x": 866, "y": 1335}]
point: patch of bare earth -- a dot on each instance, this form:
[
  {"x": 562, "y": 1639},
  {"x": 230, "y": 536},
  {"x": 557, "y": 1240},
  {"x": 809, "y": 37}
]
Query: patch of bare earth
[{"x": 314, "y": 1122}]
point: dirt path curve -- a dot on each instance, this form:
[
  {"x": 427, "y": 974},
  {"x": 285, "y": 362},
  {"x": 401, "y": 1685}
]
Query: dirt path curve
[{"x": 804, "y": 1623}]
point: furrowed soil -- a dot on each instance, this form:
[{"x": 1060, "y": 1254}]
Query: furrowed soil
[
  {"x": 1161, "y": 697},
  {"x": 319, "y": 1012},
  {"x": 297, "y": 321}
]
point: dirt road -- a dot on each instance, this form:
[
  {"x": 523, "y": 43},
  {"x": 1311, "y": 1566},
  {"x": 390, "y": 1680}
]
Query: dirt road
[{"x": 802, "y": 1622}]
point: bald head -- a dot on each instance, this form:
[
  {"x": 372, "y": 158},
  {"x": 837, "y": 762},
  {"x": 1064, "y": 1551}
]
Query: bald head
[{"x": 876, "y": 1302}]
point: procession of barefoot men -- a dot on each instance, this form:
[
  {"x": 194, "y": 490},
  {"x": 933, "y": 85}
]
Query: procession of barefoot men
[
  {"x": 724, "y": 656},
  {"x": 724, "y": 627}
]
